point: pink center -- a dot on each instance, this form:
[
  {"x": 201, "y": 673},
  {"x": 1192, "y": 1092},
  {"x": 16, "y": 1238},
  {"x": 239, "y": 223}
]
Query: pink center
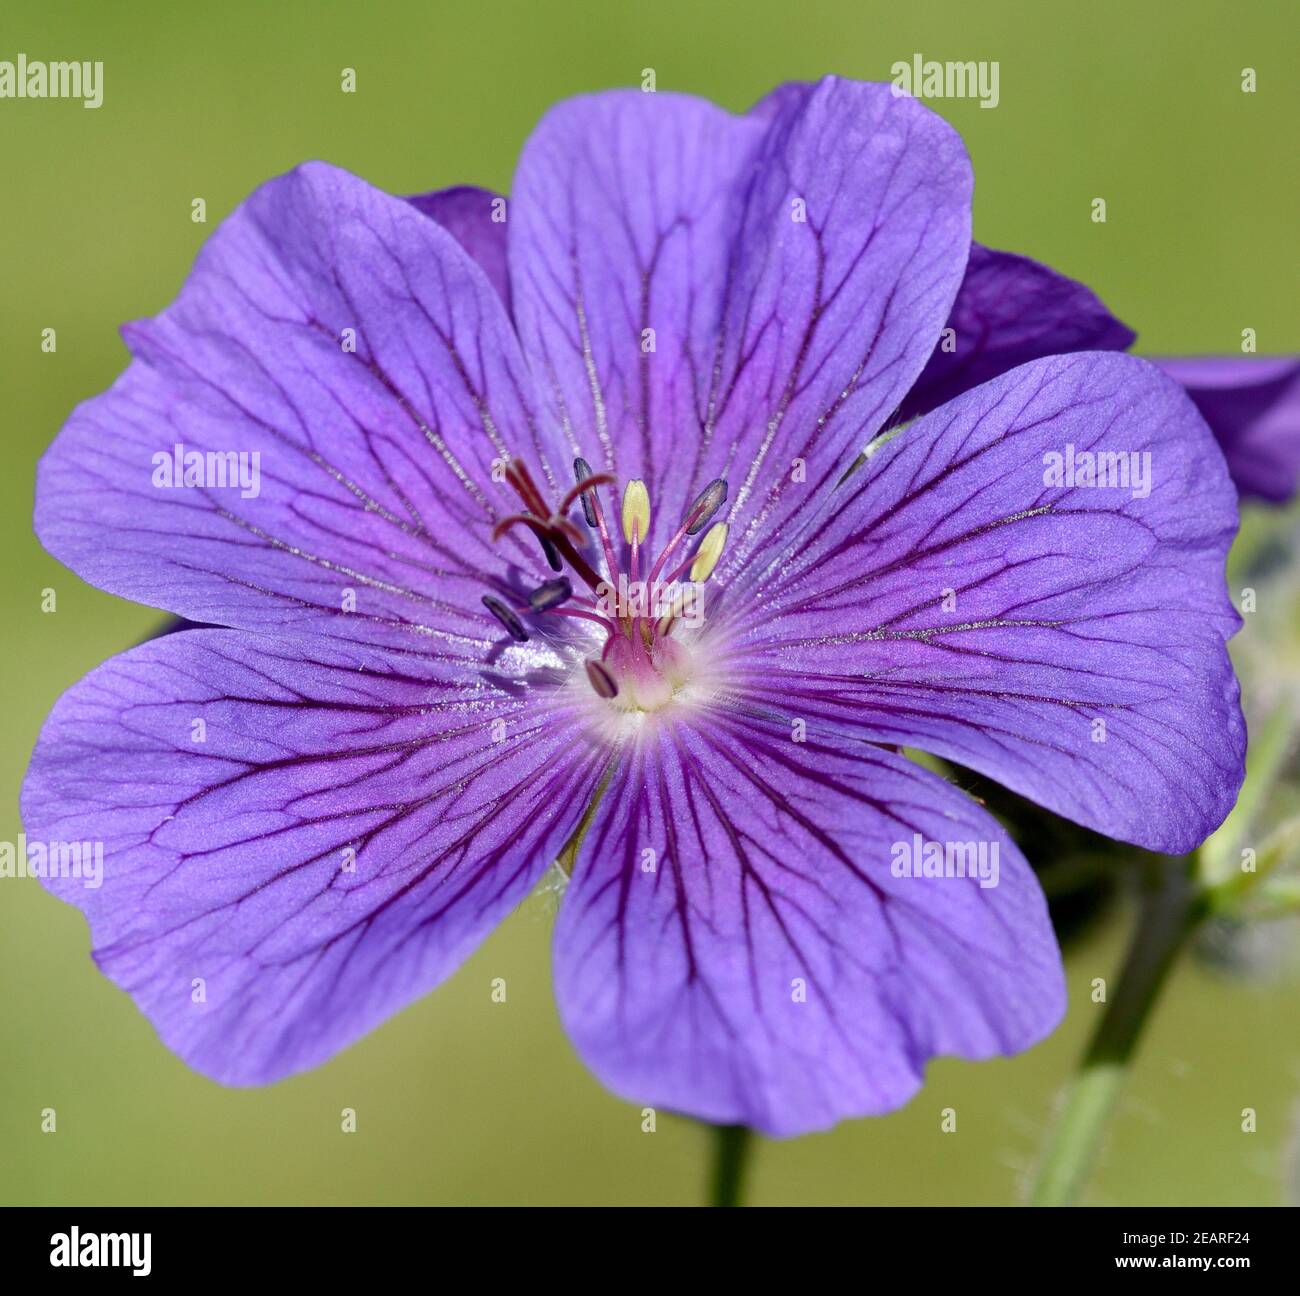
[{"x": 640, "y": 665}]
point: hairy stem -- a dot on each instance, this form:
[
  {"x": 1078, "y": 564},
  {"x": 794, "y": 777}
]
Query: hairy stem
[{"x": 1171, "y": 910}]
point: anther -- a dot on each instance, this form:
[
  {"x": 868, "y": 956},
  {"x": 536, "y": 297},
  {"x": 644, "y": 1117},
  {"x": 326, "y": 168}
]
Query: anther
[
  {"x": 549, "y": 550},
  {"x": 581, "y": 471},
  {"x": 636, "y": 511},
  {"x": 710, "y": 550},
  {"x": 550, "y": 595},
  {"x": 513, "y": 625},
  {"x": 707, "y": 503},
  {"x": 601, "y": 680}
]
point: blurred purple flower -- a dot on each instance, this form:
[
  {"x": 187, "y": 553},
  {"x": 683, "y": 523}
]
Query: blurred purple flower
[
  {"x": 1252, "y": 404},
  {"x": 311, "y": 817}
]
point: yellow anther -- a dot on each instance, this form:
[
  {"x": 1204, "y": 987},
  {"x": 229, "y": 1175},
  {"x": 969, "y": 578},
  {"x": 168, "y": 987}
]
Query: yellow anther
[
  {"x": 636, "y": 511},
  {"x": 710, "y": 550}
]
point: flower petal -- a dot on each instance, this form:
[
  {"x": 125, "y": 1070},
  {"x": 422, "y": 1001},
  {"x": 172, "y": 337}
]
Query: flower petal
[
  {"x": 734, "y": 945},
  {"x": 476, "y": 219},
  {"x": 1252, "y": 404},
  {"x": 1011, "y": 310},
  {"x": 228, "y": 779},
  {"x": 350, "y": 344},
  {"x": 707, "y": 295},
  {"x": 1067, "y": 641}
]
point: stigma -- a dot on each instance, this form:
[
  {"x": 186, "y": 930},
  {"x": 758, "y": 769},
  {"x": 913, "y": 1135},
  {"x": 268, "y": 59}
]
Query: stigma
[{"x": 639, "y": 604}]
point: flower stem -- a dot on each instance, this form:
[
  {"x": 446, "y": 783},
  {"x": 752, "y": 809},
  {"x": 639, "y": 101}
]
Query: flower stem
[
  {"x": 731, "y": 1144},
  {"x": 1171, "y": 910}
]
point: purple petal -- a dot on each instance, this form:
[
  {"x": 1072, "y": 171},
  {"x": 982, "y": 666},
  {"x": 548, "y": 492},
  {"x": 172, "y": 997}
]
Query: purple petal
[
  {"x": 228, "y": 908},
  {"x": 734, "y": 944},
  {"x": 1011, "y": 310},
  {"x": 788, "y": 97},
  {"x": 1252, "y": 404},
  {"x": 1066, "y": 641},
  {"x": 476, "y": 219},
  {"x": 375, "y": 465},
  {"x": 775, "y": 338}
]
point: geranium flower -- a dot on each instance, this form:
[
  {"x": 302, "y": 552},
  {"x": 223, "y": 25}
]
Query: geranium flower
[{"x": 425, "y": 689}]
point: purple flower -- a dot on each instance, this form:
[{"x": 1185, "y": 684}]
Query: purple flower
[
  {"x": 1252, "y": 404},
  {"x": 1010, "y": 309},
  {"x": 312, "y": 816}
]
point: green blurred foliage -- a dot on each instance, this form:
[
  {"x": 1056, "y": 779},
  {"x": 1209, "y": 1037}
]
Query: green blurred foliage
[{"x": 460, "y": 1099}]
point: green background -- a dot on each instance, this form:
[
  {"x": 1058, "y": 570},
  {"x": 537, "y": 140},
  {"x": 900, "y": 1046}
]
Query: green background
[{"x": 460, "y": 1099}]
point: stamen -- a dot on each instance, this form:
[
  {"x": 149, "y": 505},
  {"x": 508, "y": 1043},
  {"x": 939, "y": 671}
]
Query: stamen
[
  {"x": 581, "y": 471},
  {"x": 582, "y": 490},
  {"x": 593, "y": 513},
  {"x": 636, "y": 511},
  {"x": 513, "y": 625},
  {"x": 555, "y": 534},
  {"x": 550, "y": 595},
  {"x": 707, "y": 503},
  {"x": 710, "y": 550},
  {"x": 601, "y": 680},
  {"x": 549, "y": 550}
]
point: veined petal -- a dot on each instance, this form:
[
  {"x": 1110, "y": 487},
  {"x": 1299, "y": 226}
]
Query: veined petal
[
  {"x": 349, "y": 344},
  {"x": 1252, "y": 404},
  {"x": 476, "y": 219},
  {"x": 735, "y": 944},
  {"x": 1010, "y": 310},
  {"x": 1067, "y": 640},
  {"x": 297, "y": 842},
  {"x": 745, "y": 297}
]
